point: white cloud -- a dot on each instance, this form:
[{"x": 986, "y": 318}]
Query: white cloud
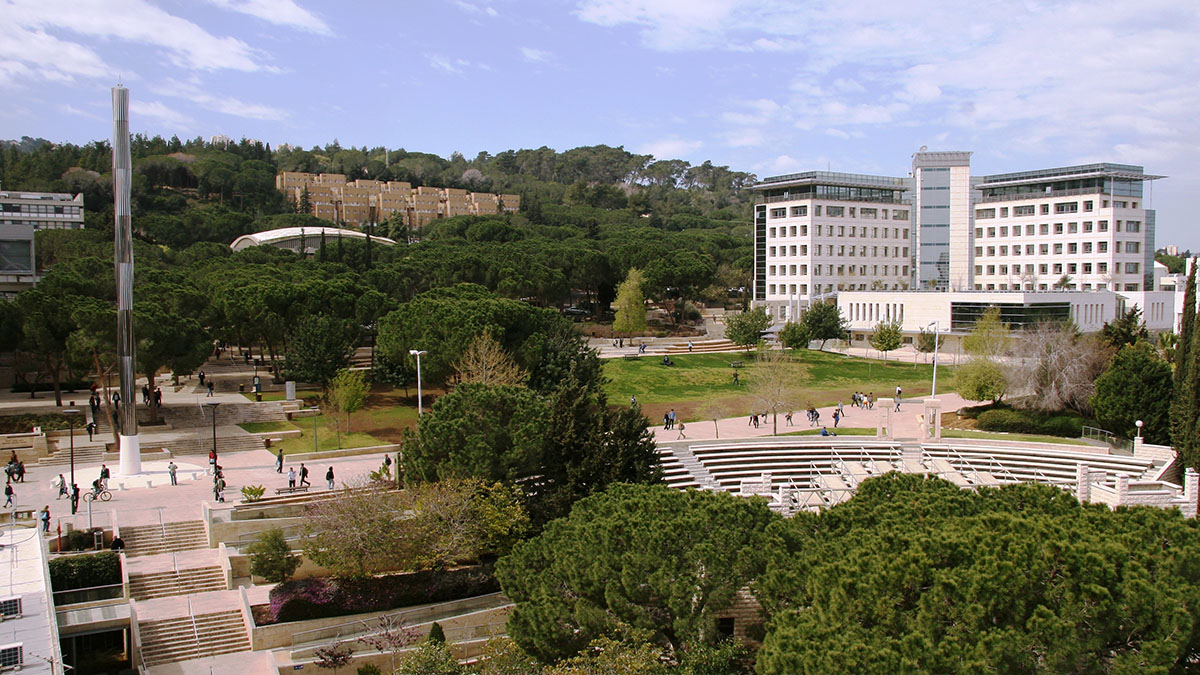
[
  {"x": 185, "y": 44},
  {"x": 199, "y": 94},
  {"x": 671, "y": 147},
  {"x": 535, "y": 55},
  {"x": 157, "y": 110},
  {"x": 72, "y": 110},
  {"x": 446, "y": 64},
  {"x": 471, "y": 8},
  {"x": 279, "y": 12}
]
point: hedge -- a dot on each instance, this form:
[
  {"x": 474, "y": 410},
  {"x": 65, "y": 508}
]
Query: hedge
[
  {"x": 85, "y": 571},
  {"x": 23, "y": 424},
  {"x": 319, "y": 598},
  {"x": 1030, "y": 422}
]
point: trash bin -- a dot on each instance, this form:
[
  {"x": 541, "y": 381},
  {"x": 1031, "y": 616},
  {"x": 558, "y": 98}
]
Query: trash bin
[
  {"x": 258, "y": 396},
  {"x": 241, "y": 388}
]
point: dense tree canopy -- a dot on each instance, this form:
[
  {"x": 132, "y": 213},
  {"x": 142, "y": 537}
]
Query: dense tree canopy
[
  {"x": 915, "y": 574},
  {"x": 1137, "y": 386},
  {"x": 654, "y": 558}
]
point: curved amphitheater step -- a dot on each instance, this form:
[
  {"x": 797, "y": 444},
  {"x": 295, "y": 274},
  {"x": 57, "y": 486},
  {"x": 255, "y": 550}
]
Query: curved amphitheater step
[
  {"x": 170, "y": 640},
  {"x": 150, "y": 539},
  {"x": 699, "y": 347},
  {"x": 176, "y": 582}
]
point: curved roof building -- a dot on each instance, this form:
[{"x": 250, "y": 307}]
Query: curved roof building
[{"x": 290, "y": 238}]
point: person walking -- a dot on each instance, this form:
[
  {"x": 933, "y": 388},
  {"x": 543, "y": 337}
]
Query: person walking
[
  {"x": 74, "y": 498},
  {"x": 171, "y": 469},
  {"x": 897, "y": 399},
  {"x": 682, "y": 426},
  {"x": 689, "y": 345},
  {"x": 61, "y": 484},
  {"x": 666, "y": 421},
  {"x": 304, "y": 474},
  {"x": 104, "y": 475},
  {"x": 633, "y": 401},
  {"x": 837, "y": 415},
  {"x": 158, "y": 397},
  {"x": 91, "y": 429},
  {"x": 787, "y": 419},
  {"x": 212, "y": 462},
  {"x": 329, "y": 477},
  {"x": 8, "y": 494},
  {"x": 279, "y": 461},
  {"x": 210, "y": 389},
  {"x": 20, "y": 472},
  {"x": 145, "y": 394},
  {"x": 736, "y": 380},
  {"x": 841, "y": 410},
  {"x": 291, "y": 476},
  {"x": 201, "y": 375},
  {"x": 46, "y": 519},
  {"x": 672, "y": 414}
]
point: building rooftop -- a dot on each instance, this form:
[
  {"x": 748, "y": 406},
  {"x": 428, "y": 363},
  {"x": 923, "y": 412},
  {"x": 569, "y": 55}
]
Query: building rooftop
[
  {"x": 313, "y": 233},
  {"x": 1098, "y": 170},
  {"x": 831, "y": 178}
]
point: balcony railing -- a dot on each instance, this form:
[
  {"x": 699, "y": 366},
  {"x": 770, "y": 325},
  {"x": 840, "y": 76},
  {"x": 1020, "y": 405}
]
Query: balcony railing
[{"x": 1054, "y": 194}]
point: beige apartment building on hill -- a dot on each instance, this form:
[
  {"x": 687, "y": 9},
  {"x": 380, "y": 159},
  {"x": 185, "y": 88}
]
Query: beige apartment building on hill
[{"x": 332, "y": 197}]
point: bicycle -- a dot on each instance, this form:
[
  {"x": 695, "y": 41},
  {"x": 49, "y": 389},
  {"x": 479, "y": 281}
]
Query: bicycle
[{"x": 103, "y": 495}]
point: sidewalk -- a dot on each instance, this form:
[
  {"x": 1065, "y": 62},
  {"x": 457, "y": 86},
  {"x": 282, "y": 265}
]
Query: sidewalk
[{"x": 905, "y": 422}]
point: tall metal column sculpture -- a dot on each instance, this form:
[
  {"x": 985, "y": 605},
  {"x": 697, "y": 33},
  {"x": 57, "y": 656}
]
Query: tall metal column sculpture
[{"x": 130, "y": 443}]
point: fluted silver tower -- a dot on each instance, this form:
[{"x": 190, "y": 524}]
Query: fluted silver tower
[{"x": 131, "y": 451}]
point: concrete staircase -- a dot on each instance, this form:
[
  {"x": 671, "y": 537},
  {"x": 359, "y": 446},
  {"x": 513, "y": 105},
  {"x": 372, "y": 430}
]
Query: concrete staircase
[
  {"x": 92, "y": 454},
  {"x": 150, "y": 539},
  {"x": 698, "y": 347},
  {"x": 695, "y": 468},
  {"x": 192, "y": 416},
  {"x": 180, "y": 639},
  {"x": 201, "y": 446},
  {"x": 176, "y": 582}
]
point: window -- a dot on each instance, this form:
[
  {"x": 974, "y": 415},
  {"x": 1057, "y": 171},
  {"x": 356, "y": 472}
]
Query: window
[
  {"x": 1058, "y": 228},
  {"x": 979, "y": 270},
  {"x": 10, "y": 607},
  {"x": 1044, "y": 229},
  {"x": 1066, "y": 207},
  {"x": 803, "y": 270},
  {"x": 1071, "y": 268},
  {"x": 803, "y": 249},
  {"x": 851, "y": 211},
  {"x": 1087, "y": 268},
  {"x": 1004, "y": 231},
  {"x": 1028, "y": 249},
  {"x": 1044, "y": 249},
  {"x": 779, "y": 213},
  {"x": 1102, "y": 247},
  {"x": 1131, "y": 287},
  {"x": 803, "y": 230},
  {"x": 1133, "y": 246},
  {"x": 1003, "y": 211},
  {"x": 1072, "y": 228},
  {"x": 792, "y": 250},
  {"x": 1058, "y": 268},
  {"x": 771, "y": 252},
  {"x": 841, "y": 251},
  {"x": 983, "y": 214},
  {"x": 771, "y": 270},
  {"x": 979, "y": 251},
  {"x": 906, "y": 236},
  {"x": 868, "y": 213},
  {"x": 1102, "y": 268},
  {"x": 899, "y": 215},
  {"x": 991, "y": 269},
  {"x": 1003, "y": 250},
  {"x": 1116, "y": 247},
  {"x": 792, "y": 271},
  {"x": 793, "y": 230},
  {"x": 771, "y": 233},
  {"x": 799, "y": 211},
  {"x": 1087, "y": 247},
  {"x": 1104, "y": 226},
  {"x": 1027, "y": 210},
  {"x": 817, "y": 211},
  {"x": 1087, "y": 226},
  {"x": 1004, "y": 269},
  {"x": 1133, "y": 226},
  {"x": 851, "y": 231},
  {"x": 1131, "y": 268},
  {"x": 991, "y": 251},
  {"x": 835, "y": 211},
  {"x": 1087, "y": 205},
  {"x": 1058, "y": 249},
  {"x": 991, "y": 232},
  {"x": 841, "y": 230},
  {"x": 1043, "y": 268},
  {"x": 12, "y": 655},
  {"x": 1072, "y": 248},
  {"x": 771, "y": 289},
  {"x": 1029, "y": 230},
  {"x": 1120, "y": 204},
  {"x": 979, "y": 233},
  {"x": 1045, "y": 209}
]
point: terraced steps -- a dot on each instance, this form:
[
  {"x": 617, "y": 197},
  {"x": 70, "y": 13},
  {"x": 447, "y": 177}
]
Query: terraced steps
[
  {"x": 176, "y": 582},
  {"x": 190, "y": 637},
  {"x": 150, "y": 539}
]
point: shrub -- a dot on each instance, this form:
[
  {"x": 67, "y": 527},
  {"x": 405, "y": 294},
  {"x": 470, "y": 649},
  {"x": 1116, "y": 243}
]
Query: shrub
[
  {"x": 436, "y": 633},
  {"x": 369, "y": 669},
  {"x": 1030, "y": 422},
  {"x": 252, "y": 493},
  {"x": 79, "y": 540},
  {"x": 321, "y": 598},
  {"x": 85, "y": 571},
  {"x": 271, "y": 557}
]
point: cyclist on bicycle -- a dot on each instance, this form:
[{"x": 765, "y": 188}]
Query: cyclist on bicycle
[{"x": 97, "y": 488}]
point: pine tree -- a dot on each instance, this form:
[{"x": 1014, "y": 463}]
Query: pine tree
[
  {"x": 305, "y": 201},
  {"x": 1183, "y": 410}
]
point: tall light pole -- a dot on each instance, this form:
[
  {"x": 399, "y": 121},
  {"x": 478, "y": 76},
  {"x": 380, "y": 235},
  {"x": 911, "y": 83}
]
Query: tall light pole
[
  {"x": 212, "y": 407},
  {"x": 1139, "y": 424},
  {"x": 71, "y": 413},
  {"x": 417, "y": 353},
  {"x": 937, "y": 329}
]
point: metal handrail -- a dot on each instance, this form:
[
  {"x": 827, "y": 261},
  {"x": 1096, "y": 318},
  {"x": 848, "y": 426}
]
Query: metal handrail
[
  {"x": 119, "y": 588},
  {"x": 195, "y": 630}
]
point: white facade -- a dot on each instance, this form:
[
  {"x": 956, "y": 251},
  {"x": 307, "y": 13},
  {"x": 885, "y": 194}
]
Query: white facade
[
  {"x": 21, "y": 215},
  {"x": 942, "y": 197},
  {"x": 820, "y": 233},
  {"x": 917, "y": 310}
]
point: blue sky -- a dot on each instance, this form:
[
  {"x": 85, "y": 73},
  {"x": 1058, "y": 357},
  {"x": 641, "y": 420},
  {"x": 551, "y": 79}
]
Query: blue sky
[{"x": 766, "y": 86}]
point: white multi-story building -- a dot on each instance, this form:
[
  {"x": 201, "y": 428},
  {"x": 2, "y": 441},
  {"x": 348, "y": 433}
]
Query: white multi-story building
[
  {"x": 1076, "y": 228},
  {"x": 21, "y": 215},
  {"x": 820, "y": 232}
]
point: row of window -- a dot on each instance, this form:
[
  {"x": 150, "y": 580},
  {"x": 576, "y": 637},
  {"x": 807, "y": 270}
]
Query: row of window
[
  {"x": 837, "y": 231},
  {"x": 1059, "y": 228},
  {"x": 1071, "y": 248},
  {"x": 842, "y": 250},
  {"x": 841, "y": 270},
  {"x": 868, "y": 213},
  {"x": 1046, "y": 287},
  {"x": 1044, "y": 209},
  {"x": 1058, "y": 268},
  {"x": 45, "y": 210},
  {"x": 802, "y": 289}
]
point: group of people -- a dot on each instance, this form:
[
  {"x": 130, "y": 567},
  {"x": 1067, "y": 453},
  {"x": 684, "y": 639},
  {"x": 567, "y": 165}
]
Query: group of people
[
  {"x": 861, "y": 400},
  {"x": 68, "y": 490},
  {"x": 15, "y": 470},
  {"x": 669, "y": 419},
  {"x": 147, "y": 393}
]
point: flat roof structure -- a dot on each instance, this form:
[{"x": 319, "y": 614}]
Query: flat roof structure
[{"x": 289, "y": 237}]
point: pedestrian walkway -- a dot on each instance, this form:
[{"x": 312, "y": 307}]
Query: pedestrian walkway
[{"x": 905, "y": 423}]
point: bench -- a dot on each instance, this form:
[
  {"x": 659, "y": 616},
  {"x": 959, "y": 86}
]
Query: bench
[
  {"x": 268, "y": 442},
  {"x": 735, "y": 364},
  {"x": 632, "y": 357},
  {"x": 290, "y": 490}
]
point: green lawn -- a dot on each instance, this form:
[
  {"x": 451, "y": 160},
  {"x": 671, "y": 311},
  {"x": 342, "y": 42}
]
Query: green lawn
[
  {"x": 841, "y": 431},
  {"x": 990, "y": 435},
  {"x": 822, "y": 378},
  {"x": 326, "y": 434}
]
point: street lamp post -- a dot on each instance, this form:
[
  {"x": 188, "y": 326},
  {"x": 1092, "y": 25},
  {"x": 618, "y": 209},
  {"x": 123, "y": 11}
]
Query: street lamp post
[
  {"x": 1139, "y": 424},
  {"x": 71, "y": 413},
  {"x": 937, "y": 329},
  {"x": 213, "y": 408},
  {"x": 417, "y": 353}
]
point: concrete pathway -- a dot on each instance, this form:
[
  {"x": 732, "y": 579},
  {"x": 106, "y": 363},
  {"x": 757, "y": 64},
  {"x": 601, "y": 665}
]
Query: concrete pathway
[{"x": 905, "y": 422}]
